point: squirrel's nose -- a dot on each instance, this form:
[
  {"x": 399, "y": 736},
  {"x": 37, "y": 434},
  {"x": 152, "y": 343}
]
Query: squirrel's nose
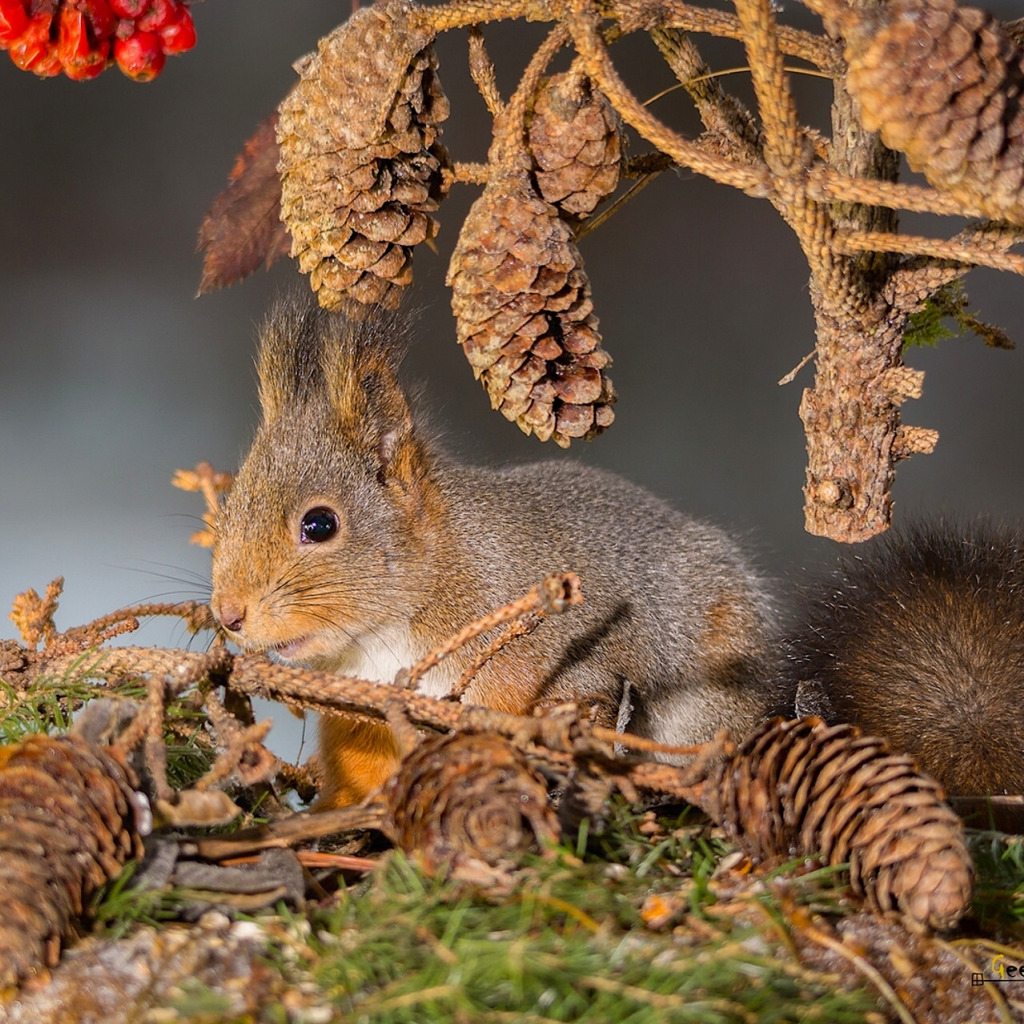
[{"x": 230, "y": 614}]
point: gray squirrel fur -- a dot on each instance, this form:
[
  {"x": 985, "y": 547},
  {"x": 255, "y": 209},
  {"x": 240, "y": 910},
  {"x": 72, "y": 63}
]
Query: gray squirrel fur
[{"x": 673, "y": 636}]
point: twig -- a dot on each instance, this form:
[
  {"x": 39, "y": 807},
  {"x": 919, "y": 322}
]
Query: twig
[
  {"x": 295, "y": 829},
  {"x": 481, "y": 69},
  {"x": 593, "y": 223},
  {"x": 639, "y": 14},
  {"x": 584, "y": 23},
  {"x": 521, "y": 627},
  {"x": 508, "y": 151},
  {"x": 785, "y": 149},
  {"x": 196, "y": 614},
  {"x": 213, "y": 486},
  {"x": 721, "y": 113},
  {"x": 150, "y": 722},
  {"x": 827, "y": 185},
  {"x": 239, "y": 743},
  {"x": 791, "y": 376},
  {"x": 554, "y": 594},
  {"x": 852, "y": 242},
  {"x": 33, "y": 615},
  {"x": 463, "y": 13},
  {"x": 467, "y": 173}
]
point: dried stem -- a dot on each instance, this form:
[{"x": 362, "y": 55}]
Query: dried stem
[
  {"x": 641, "y": 14},
  {"x": 584, "y": 24},
  {"x": 464, "y": 13},
  {"x": 785, "y": 151},
  {"x": 481, "y": 70},
  {"x": 860, "y": 964},
  {"x": 853, "y": 242},
  {"x": 828, "y": 185},
  {"x": 721, "y": 113},
  {"x": 554, "y": 594}
]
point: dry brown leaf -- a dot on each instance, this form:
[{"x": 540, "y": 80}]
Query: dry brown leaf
[{"x": 243, "y": 228}]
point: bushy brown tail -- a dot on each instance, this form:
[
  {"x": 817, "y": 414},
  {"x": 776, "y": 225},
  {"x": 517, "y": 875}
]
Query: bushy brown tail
[{"x": 921, "y": 640}]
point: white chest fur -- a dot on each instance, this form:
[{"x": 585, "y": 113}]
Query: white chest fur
[{"x": 380, "y": 656}]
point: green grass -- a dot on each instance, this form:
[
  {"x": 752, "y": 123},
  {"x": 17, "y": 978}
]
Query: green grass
[
  {"x": 119, "y": 906},
  {"x": 570, "y": 944},
  {"x": 48, "y": 705},
  {"x": 999, "y": 892}
]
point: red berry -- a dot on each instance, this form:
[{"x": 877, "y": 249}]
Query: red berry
[
  {"x": 13, "y": 21},
  {"x": 90, "y": 66},
  {"x": 179, "y": 35},
  {"x": 34, "y": 51},
  {"x": 140, "y": 56},
  {"x": 79, "y": 56},
  {"x": 131, "y": 9},
  {"x": 101, "y": 18},
  {"x": 156, "y": 15},
  {"x": 71, "y": 38}
]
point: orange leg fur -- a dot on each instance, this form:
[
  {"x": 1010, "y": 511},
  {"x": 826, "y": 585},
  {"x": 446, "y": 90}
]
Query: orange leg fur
[{"x": 357, "y": 757}]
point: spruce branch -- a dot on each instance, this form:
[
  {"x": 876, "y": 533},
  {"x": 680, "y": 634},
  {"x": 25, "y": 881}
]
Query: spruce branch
[
  {"x": 785, "y": 149},
  {"x": 723, "y": 115},
  {"x": 584, "y": 24},
  {"x": 946, "y": 94},
  {"x": 962, "y": 252},
  {"x": 643, "y": 14}
]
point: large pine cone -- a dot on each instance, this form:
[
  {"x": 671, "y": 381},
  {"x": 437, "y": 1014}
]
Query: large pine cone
[
  {"x": 801, "y": 788},
  {"x": 575, "y": 140},
  {"x": 524, "y": 316},
  {"x": 67, "y": 826},
  {"x": 943, "y": 84},
  {"x": 361, "y": 165},
  {"x": 468, "y": 804}
]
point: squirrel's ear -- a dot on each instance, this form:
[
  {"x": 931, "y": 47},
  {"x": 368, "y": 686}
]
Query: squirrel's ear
[
  {"x": 288, "y": 361},
  {"x": 386, "y": 428},
  {"x": 360, "y": 367}
]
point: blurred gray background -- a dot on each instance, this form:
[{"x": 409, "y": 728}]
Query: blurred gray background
[{"x": 113, "y": 374}]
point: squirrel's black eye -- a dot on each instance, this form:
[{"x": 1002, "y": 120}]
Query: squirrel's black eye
[{"x": 317, "y": 525}]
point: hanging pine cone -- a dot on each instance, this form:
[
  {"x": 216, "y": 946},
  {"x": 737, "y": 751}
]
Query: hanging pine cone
[
  {"x": 575, "y": 140},
  {"x": 943, "y": 84},
  {"x": 524, "y": 316},
  {"x": 469, "y": 805},
  {"x": 801, "y": 789},
  {"x": 67, "y": 826},
  {"x": 361, "y": 165}
]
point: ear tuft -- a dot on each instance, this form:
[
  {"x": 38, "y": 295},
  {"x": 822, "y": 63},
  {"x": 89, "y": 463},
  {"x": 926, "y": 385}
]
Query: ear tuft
[
  {"x": 347, "y": 371},
  {"x": 289, "y": 356}
]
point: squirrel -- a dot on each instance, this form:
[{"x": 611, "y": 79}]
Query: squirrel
[
  {"x": 921, "y": 641},
  {"x": 348, "y": 543}
]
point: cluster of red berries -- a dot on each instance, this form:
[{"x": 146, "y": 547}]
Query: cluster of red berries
[{"x": 83, "y": 37}]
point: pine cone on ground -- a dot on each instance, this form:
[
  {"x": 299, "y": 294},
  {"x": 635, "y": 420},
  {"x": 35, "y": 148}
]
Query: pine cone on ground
[
  {"x": 574, "y": 138},
  {"x": 67, "y": 826},
  {"x": 801, "y": 788},
  {"x": 361, "y": 164},
  {"x": 524, "y": 315},
  {"x": 943, "y": 84},
  {"x": 469, "y": 805}
]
